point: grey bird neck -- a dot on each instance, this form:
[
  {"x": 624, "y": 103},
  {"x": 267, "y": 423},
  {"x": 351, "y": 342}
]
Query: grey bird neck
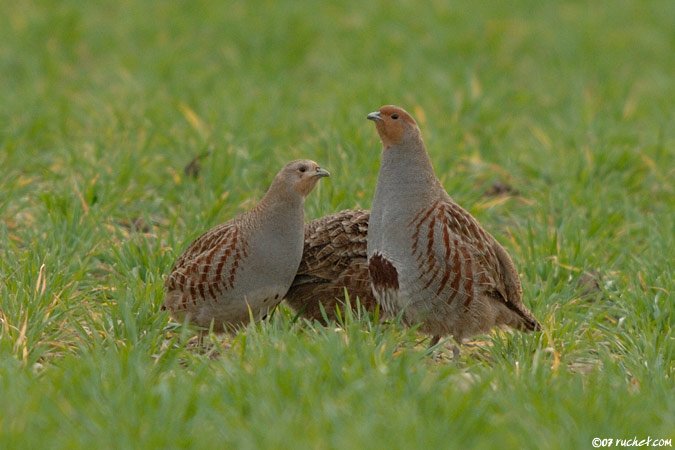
[
  {"x": 280, "y": 211},
  {"x": 406, "y": 175}
]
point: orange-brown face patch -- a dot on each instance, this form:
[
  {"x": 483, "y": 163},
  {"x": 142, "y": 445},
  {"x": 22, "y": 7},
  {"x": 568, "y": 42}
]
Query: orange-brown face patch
[
  {"x": 390, "y": 132},
  {"x": 390, "y": 110},
  {"x": 393, "y": 125}
]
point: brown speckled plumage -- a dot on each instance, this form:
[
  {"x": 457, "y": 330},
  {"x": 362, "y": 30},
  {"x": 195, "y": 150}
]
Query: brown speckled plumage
[{"x": 334, "y": 258}]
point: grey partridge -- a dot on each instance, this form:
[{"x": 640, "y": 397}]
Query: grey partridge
[
  {"x": 244, "y": 267},
  {"x": 333, "y": 260},
  {"x": 428, "y": 258}
]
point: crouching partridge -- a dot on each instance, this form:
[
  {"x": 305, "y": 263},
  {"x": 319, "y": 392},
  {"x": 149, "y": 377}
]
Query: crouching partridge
[
  {"x": 428, "y": 258},
  {"x": 334, "y": 260},
  {"x": 245, "y": 266}
]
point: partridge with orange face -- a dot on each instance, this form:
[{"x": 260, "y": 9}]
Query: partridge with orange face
[
  {"x": 428, "y": 258},
  {"x": 244, "y": 267},
  {"x": 334, "y": 261}
]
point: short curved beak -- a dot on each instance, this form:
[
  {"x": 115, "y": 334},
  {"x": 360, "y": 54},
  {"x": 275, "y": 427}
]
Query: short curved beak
[
  {"x": 322, "y": 172},
  {"x": 375, "y": 116}
]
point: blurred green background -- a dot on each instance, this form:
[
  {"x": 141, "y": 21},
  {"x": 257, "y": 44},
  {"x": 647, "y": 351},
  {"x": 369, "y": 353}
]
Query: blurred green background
[{"x": 552, "y": 122}]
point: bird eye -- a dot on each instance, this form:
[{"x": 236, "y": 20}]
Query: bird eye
[
  {"x": 394, "y": 116},
  {"x": 303, "y": 169}
]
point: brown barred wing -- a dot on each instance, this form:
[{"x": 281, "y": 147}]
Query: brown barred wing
[
  {"x": 208, "y": 268},
  {"x": 459, "y": 262},
  {"x": 452, "y": 253}
]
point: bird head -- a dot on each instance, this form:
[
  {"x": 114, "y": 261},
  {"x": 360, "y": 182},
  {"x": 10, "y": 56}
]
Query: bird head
[
  {"x": 394, "y": 125},
  {"x": 302, "y": 175}
]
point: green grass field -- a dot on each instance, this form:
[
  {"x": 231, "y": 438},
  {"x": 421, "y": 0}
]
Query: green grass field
[{"x": 568, "y": 105}]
